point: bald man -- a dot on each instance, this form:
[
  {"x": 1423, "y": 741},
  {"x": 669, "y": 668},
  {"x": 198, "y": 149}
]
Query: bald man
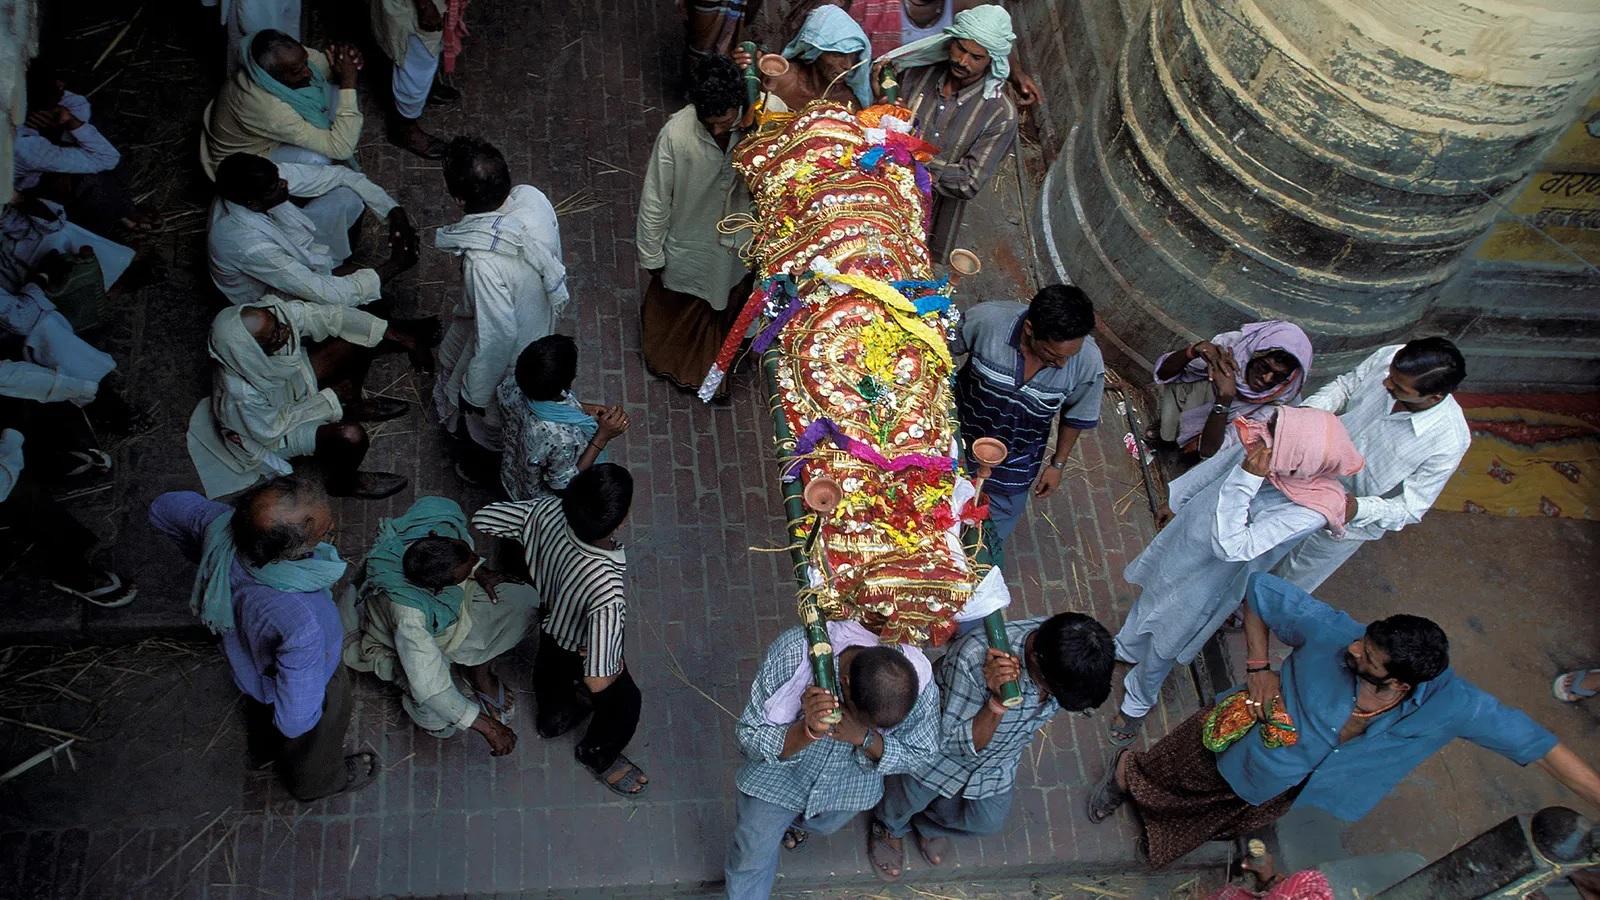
[
  {"x": 264, "y": 587},
  {"x": 273, "y": 398}
]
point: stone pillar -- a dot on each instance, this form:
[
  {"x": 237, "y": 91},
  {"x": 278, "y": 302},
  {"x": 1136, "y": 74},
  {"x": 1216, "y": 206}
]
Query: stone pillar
[{"x": 1323, "y": 161}]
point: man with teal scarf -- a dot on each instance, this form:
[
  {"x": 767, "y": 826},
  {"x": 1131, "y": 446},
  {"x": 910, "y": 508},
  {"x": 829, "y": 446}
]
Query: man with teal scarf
[
  {"x": 264, "y": 587},
  {"x": 427, "y": 600}
]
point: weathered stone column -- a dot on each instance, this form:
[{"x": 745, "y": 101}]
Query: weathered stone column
[{"x": 1324, "y": 161}]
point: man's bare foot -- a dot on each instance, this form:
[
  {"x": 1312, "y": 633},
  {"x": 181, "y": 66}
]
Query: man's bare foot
[{"x": 886, "y": 852}]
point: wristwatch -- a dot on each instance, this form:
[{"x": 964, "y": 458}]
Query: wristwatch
[
  {"x": 866, "y": 740},
  {"x": 1057, "y": 465},
  {"x": 1219, "y": 409}
]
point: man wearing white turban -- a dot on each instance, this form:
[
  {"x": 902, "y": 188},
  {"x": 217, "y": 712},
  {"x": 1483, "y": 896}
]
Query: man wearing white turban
[{"x": 953, "y": 83}]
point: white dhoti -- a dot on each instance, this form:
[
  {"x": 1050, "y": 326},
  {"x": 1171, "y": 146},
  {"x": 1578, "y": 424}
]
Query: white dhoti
[
  {"x": 413, "y": 78},
  {"x": 1321, "y": 554},
  {"x": 333, "y": 213}
]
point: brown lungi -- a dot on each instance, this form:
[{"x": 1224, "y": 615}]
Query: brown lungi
[
  {"x": 1184, "y": 801},
  {"x": 681, "y": 333}
]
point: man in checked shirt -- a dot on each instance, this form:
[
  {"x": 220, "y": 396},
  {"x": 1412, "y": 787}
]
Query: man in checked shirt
[
  {"x": 966, "y": 788},
  {"x": 801, "y": 773}
]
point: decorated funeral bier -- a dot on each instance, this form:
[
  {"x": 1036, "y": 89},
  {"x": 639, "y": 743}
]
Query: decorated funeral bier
[{"x": 853, "y": 330}]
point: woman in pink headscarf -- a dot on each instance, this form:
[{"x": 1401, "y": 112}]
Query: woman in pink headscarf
[
  {"x": 1236, "y": 513},
  {"x": 1237, "y": 374}
]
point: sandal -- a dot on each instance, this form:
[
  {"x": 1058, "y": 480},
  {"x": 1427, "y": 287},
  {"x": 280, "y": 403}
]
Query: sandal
[
  {"x": 795, "y": 838},
  {"x": 1568, "y": 686},
  {"x": 363, "y": 769},
  {"x": 1128, "y": 732},
  {"x": 1106, "y": 796},
  {"x": 500, "y": 707},
  {"x": 628, "y": 785},
  {"x": 91, "y": 460},
  {"x": 883, "y": 854},
  {"x": 111, "y": 593},
  {"x": 932, "y": 849}
]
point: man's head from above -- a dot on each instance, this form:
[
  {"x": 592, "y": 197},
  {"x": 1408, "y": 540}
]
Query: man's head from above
[
  {"x": 546, "y": 367},
  {"x": 45, "y": 86},
  {"x": 434, "y": 563},
  {"x": 1399, "y": 653},
  {"x": 969, "y": 61},
  {"x": 1072, "y": 655},
  {"x": 1058, "y": 319},
  {"x": 282, "y": 519},
  {"x": 251, "y": 181},
  {"x": 271, "y": 333},
  {"x": 596, "y": 501},
  {"x": 716, "y": 89},
  {"x": 879, "y": 686},
  {"x": 1424, "y": 372},
  {"x": 475, "y": 174},
  {"x": 282, "y": 57}
]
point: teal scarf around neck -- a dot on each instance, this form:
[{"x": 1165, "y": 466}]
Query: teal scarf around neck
[
  {"x": 212, "y": 596},
  {"x": 385, "y": 564},
  {"x": 563, "y": 413},
  {"x": 311, "y": 101}
]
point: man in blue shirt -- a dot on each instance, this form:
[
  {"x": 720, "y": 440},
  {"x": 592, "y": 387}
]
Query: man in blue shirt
[
  {"x": 1369, "y": 704},
  {"x": 1027, "y": 366},
  {"x": 264, "y": 587}
]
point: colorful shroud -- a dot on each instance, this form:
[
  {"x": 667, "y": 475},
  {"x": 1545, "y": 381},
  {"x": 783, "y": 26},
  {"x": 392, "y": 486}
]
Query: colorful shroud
[{"x": 854, "y": 341}]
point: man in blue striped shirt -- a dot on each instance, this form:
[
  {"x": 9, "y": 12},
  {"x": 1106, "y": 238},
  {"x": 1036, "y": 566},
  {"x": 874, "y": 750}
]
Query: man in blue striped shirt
[{"x": 1027, "y": 366}]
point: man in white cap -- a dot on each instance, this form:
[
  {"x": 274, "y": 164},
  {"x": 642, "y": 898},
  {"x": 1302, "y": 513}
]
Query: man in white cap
[{"x": 954, "y": 85}]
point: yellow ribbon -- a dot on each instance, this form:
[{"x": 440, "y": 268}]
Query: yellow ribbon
[{"x": 903, "y": 310}]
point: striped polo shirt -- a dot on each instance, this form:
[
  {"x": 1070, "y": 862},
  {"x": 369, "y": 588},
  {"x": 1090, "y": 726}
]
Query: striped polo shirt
[
  {"x": 992, "y": 400},
  {"x": 580, "y": 585}
]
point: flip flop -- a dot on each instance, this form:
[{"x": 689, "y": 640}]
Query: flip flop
[
  {"x": 795, "y": 838},
  {"x": 112, "y": 594},
  {"x": 1568, "y": 686},
  {"x": 90, "y": 460},
  {"x": 500, "y": 707},
  {"x": 1106, "y": 796},
  {"x": 629, "y": 779},
  {"x": 880, "y": 853},
  {"x": 363, "y": 769},
  {"x": 1128, "y": 733}
]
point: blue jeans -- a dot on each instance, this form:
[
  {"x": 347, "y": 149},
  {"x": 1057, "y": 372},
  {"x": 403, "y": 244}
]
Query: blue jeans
[
  {"x": 1004, "y": 512},
  {"x": 757, "y": 839},
  {"x": 908, "y": 804}
]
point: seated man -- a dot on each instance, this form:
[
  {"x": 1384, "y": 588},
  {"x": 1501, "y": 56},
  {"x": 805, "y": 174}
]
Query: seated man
[
  {"x": 274, "y": 399},
  {"x": 412, "y": 35},
  {"x": 281, "y": 106},
  {"x": 61, "y": 156},
  {"x": 577, "y": 565},
  {"x": 803, "y": 773},
  {"x": 513, "y": 289},
  {"x": 966, "y": 789},
  {"x": 45, "y": 436},
  {"x": 264, "y": 586},
  {"x": 260, "y": 242},
  {"x": 33, "y": 230},
  {"x": 426, "y": 601}
]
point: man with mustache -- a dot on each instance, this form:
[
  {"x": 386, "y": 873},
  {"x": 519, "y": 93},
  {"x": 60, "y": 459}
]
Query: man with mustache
[
  {"x": 1368, "y": 703},
  {"x": 953, "y": 83}
]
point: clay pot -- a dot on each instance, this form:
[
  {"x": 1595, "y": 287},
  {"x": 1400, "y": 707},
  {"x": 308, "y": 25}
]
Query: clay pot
[
  {"x": 822, "y": 495},
  {"x": 989, "y": 452},
  {"x": 962, "y": 264},
  {"x": 772, "y": 65}
]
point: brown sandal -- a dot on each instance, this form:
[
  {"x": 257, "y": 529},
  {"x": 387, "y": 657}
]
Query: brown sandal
[{"x": 884, "y": 851}]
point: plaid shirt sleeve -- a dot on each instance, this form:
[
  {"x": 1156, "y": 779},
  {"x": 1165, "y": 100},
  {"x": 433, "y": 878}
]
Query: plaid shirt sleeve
[
  {"x": 965, "y": 695},
  {"x": 909, "y": 745},
  {"x": 758, "y": 739}
]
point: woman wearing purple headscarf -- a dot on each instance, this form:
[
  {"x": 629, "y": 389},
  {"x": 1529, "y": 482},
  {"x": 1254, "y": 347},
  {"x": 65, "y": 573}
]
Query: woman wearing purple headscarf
[{"x": 1237, "y": 374}]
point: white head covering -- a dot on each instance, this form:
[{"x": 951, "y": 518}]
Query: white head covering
[{"x": 988, "y": 25}]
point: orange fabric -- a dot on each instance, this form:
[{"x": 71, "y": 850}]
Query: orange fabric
[{"x": 1310, "y": 451}]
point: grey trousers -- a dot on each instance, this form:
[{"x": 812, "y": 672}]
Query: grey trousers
[{"x": 908, "y": 804}]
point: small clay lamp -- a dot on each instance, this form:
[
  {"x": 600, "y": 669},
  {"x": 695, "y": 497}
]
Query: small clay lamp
[
  {"x": 962, "y": 264},
  {"x": 989, "y": 452},
  {"x": 822, "y": 494}
]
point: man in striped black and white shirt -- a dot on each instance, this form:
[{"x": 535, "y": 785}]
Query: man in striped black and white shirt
[
  {"x": 577, "y": 565},
  {"x": 1398, "y": 408}
]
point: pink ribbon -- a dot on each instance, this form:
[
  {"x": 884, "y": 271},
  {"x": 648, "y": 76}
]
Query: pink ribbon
[{"x": 825, "y": 427}]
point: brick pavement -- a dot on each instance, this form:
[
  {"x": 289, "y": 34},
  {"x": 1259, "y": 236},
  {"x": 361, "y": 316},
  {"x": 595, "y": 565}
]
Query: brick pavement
[{"x": 165, "y": 805}]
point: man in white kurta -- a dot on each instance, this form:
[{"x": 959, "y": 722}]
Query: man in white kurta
[
  {"x": 1398, "y": 408},
  {"x": 260, "y": 242},
  {"x": 266, "y": 405},
  {"x": 427, "y": 601},
  {"x": 411, "y": 33},
  {"x": 514, "y": 285},
  {"x": 49, "y": 340}
]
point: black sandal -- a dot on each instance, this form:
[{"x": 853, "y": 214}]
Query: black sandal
[
  {"x": 629, "y": 779},
  {"x": 363, "y": 768},
  {"x": 794, "y": 838},
  {"x": 1106, "y": 796}
]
